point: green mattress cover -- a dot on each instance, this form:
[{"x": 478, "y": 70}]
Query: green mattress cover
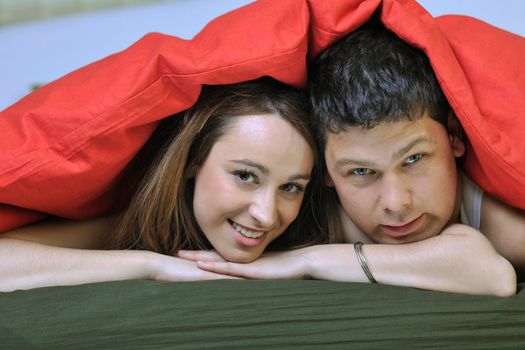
[{"x": 230, "y": 314}]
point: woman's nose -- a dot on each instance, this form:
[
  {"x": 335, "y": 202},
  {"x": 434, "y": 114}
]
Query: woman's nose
[{"x": 263, "y": 209}]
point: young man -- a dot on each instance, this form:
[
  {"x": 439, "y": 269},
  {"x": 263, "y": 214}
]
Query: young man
[{"x": 392, "y": 145}]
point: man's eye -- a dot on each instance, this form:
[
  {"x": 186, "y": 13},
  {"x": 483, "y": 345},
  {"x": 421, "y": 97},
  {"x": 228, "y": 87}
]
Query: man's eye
[
  {"x": 414, "y": 158},
  {"x": 361, "y": 171},
  {"x": 245, "y": 176}
]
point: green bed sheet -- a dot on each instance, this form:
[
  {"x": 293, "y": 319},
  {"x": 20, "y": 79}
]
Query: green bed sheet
[{"x": 228, "y": 314}]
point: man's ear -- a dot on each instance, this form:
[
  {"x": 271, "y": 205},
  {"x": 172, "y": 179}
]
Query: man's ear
[
  {"x": 455, "y": 135},
  {"x": 328, "y": 180}
]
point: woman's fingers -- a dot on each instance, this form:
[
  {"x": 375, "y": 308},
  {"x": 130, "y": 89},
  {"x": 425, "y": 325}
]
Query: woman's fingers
[
  {"x": 200, "y": 255},
  {"x": 169, "y": 268},
  {"x": 207, "y": 275},
  {"x": 227, "y": 268},
  {"x": 258, "y": 269},
  {"x": 274, "y": 265}
]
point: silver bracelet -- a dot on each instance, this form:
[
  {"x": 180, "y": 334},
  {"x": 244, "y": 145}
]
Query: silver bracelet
[{"x": 362, "y": 262}]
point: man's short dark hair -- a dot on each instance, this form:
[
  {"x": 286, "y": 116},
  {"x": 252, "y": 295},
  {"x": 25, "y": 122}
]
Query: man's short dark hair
[{"x": 372, "y": 77}]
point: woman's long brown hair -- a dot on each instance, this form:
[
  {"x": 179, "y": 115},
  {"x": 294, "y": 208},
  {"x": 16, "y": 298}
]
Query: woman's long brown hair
[{"x": 160, "y": 215}]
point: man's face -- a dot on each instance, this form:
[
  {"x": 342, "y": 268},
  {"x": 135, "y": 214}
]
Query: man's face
[{"x": 397, "y": 181}]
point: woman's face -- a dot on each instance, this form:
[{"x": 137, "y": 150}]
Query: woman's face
[{"x": 251, "y": 186}]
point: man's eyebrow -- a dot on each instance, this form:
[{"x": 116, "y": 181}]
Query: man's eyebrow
[
  {"x": 358, "y": 162},
  {"x": 265, "y": 170},
  {"x": 401, "y": 152},
  {"x": 252, "y": 164},
  {"x": 368, "y": 164}
]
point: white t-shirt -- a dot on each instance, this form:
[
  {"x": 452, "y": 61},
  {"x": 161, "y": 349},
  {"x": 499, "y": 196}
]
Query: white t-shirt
[{"x": 470, "y": 213}]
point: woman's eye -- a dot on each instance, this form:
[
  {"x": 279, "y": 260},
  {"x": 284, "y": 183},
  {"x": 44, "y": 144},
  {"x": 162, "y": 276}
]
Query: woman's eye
[
  {"x": 292, "y": 188},
  {"x": 414, "y": 158},
  {"x": 246, "y": 176},
  {"x": 361, "y": 171}
]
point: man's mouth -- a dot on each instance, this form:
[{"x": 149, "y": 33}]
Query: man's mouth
[
  {"x": 246, "y": 232},
  {"x": 403, "y": 229}
]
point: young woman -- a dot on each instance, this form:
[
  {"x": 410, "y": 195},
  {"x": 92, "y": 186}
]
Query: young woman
[{"x": 233, "y": 173}]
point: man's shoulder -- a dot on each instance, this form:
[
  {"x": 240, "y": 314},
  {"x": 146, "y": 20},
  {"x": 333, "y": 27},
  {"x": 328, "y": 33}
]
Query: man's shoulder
[{"x": 494, "y": 213}]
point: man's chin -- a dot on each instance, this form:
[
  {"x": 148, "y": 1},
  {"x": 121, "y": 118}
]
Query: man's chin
[{"x": 409, "y": 238}]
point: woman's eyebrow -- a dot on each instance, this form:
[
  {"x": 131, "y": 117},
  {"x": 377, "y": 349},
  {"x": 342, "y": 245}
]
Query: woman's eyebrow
[
  {"x": 265, "y": 170},
  {"x": 305, "y": 177},
  {"x": 252, "y": 164}
]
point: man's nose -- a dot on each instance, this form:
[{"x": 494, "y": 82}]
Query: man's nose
[
  {"x": 264, "y": 208},
  {"x": 396, "y": 194}
]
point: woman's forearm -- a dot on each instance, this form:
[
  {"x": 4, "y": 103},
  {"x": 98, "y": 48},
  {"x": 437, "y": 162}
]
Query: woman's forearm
[{"x": 26, "y": 265}]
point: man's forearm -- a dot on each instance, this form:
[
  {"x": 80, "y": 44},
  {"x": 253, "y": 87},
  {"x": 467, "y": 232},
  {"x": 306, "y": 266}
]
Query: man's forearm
[{"x": 460, "y": 260}]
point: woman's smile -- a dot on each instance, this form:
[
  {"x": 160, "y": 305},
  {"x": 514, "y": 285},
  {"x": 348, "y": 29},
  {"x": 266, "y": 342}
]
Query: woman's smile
[
  {"x": 245, "y": 237},
  {"x": 255, "y": 173},
  {"x": 250, "y": 233}
]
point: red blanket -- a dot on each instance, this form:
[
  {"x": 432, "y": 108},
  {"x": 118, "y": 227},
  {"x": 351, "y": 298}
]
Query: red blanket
[{"x": 63, "y": 147}]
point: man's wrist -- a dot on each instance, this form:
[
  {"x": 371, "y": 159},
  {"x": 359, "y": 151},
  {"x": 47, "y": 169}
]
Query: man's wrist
[{"x": 358, "y": 248}]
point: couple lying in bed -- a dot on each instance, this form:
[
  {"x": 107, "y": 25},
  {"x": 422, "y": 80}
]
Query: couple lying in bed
[{"x": 242, "y": 171}]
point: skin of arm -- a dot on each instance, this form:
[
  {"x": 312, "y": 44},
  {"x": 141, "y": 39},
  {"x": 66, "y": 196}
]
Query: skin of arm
[
  {"x": 459, "y": 260},
  {"x": 504, "y": 226},
  {"x": 59, "y": 252}
]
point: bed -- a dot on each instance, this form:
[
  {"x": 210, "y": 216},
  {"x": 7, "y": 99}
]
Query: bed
[{"x": 227, "y": 314}]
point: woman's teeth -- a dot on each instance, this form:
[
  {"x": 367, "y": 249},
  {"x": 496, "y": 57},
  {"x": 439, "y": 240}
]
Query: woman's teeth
[{"x": 247, "y": 233}]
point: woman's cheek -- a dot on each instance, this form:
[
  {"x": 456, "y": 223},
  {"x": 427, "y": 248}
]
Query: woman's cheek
[{"x": 292, "y": 210}]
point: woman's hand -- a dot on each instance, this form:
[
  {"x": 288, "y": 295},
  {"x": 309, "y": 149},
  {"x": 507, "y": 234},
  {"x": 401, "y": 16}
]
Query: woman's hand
[
  {"x": 271, "y": 265},
  {"x": 169, "y": 268}
]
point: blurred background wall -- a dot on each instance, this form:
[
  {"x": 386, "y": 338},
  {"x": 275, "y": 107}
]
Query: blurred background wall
[{"x": 14, "y": 11}]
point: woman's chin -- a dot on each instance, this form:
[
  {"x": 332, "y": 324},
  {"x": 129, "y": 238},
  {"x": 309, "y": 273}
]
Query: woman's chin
[{"x": 240, "y": 256}]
